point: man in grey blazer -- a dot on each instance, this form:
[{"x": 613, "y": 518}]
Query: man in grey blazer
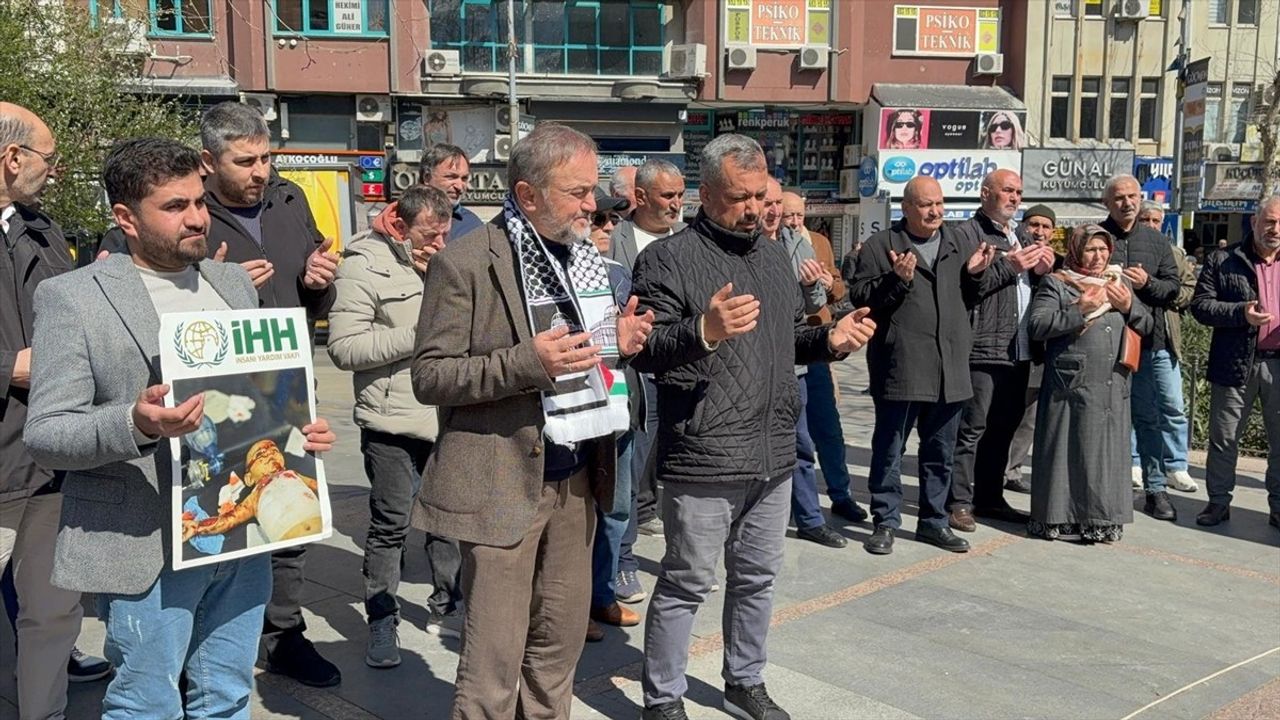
[{"x": 97, "y": 412}]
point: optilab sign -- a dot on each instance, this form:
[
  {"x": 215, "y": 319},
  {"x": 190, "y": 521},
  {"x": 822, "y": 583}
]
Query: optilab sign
[{"x": 959, "y": 173}]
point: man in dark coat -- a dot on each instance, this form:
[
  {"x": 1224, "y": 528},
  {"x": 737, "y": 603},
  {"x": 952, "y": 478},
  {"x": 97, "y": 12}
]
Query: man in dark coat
[
  {"x": 919, "y": 278},
  {"x": 1148, "y": 262},
  {"x": 1238, "y": 295},
  {"x": 1000, "y": 363},
  {"x": 264, "y": 223},
  {"x": 30, "y": 495},
  {"x": 729, "y": 327}
]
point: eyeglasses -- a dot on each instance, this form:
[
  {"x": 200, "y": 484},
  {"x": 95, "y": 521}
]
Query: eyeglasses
[
  {"x": 601, "y": 219},
  {"x": 1002, "y": 125},
  {"x": 50, "y": 159},
  {"x": 899, "y": 125}
]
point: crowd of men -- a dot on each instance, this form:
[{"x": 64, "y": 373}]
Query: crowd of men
[{"x": 482, "y": 356}]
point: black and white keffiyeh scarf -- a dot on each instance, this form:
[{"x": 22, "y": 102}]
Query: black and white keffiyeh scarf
[{"x": 582, "y": 405}]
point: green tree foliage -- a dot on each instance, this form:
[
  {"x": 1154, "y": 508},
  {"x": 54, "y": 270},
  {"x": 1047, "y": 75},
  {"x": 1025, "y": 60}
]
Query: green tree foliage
[{"x": 66, "y": 68}]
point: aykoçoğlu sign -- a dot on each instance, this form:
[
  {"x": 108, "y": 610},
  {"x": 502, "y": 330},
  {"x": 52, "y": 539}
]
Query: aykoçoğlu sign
[
  {"x": 959, "y": 172},
  {"x": 1071, "y": 173}
]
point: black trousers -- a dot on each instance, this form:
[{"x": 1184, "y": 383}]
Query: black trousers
[{"x": 987, "y": 425}]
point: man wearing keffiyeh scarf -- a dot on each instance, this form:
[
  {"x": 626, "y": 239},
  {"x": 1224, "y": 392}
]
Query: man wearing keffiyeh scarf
[{"x": 517, "y": 344}]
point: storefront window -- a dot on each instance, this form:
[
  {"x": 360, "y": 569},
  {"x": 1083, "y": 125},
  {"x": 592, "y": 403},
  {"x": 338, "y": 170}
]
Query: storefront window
[
  {"x": 1149, "y": 109},
  {"x": 573, "y": 37},
  {"x": 1060, "y": 107},
  {"x": 1213, "y": 112},
  {"x": 1089, "y": 88},
  {"x": 339, "y": 18},
  {"x": 1118, "y": 113},
  {"x": 164, "y": 17}
]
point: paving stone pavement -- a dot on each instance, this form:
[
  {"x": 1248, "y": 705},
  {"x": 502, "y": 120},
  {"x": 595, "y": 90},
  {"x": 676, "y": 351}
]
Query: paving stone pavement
[{"x": 1176, "y": 621}]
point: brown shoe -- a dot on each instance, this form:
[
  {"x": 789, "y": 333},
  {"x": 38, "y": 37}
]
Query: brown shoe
[
  {"x": 595, "y": 633},
  {"x": 962, "y": 519},
  {"x": 615, "y": 614}
]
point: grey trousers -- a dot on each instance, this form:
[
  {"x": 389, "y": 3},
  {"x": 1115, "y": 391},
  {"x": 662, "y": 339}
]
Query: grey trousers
[
  {"x": 1229, "y": 410},
  {"x": 748, "y": 520}
]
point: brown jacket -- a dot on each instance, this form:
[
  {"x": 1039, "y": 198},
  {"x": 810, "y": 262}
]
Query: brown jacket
[
  {"x": 826, "y": 256},
  {"x": 474, "y": 360}
]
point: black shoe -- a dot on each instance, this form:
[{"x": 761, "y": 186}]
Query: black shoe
[
  {"x": 1159, "y": 507},
  {"x": 1212, "y": 514},
  {"x": 942, "y": 537},
  {"x": 665, "y": 711},
  {"x": 822, "y": 535},
  {"x": 297, "y": 658},
  {"x": 1002, "y": 512},
  {"x": 880, "y": 542},
  {"x": 849, "y": 510},
  {"x": 1019, "y": 484},
  {"x": 752, "y": 703}
]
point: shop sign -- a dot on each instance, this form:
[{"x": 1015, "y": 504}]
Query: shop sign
[
  {"x": 612, "y": 161},
  {"x": 922, "y": 30},
  {"x": 1071, "y": 173},
  {"x": 1196, "y": 82},
  {"x": 348, "y": 17},
  {"x": 777, "y": 23},
  {"x": 698, "y": 131},
  {"x": 906, "y": 128},
  {"x": 867, "y": 172},
  {"x": 1155, "y": 175},
  {"x": 370, "y": 166},
  {"x": 488, "y": 185},
  {"x": 1232, "y": 187},
  {"x": 959, "y": 172}
]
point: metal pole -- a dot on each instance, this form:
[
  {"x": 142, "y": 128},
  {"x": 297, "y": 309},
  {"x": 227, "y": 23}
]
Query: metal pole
[
  {"x": 1184, "y": 57},
  {"x": 512, "y": 48}
]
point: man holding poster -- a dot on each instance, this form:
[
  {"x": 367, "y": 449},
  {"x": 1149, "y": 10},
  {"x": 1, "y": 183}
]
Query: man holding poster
[{"x": 97, "y": 411}]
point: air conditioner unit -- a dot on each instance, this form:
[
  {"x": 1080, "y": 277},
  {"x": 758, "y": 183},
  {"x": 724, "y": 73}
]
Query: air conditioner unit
[
  {"x": 686, "y": 61},
  {"x": 848, "y": 184},
  {"x": 502, "y": 120},
  {"x": 741, "y": 57},
  {"x": 1219, "y": 152},
  {"x": 814, "y": 57},
  {"x": 502, "y": 147},
  {"x": 442, "y": 62},
  {"x": 403, "y": 177},
  {"x": 988, "y": 64},
  {"x": 373, "y": 108},
  {"x": 130, "y": 35},
  {"x": 1132, "y": 10},
  {"x": 265, "y": 103}
]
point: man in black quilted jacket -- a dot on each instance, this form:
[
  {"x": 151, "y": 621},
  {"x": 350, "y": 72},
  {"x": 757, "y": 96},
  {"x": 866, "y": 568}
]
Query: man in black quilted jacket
[{"x": 729, "y": 327}]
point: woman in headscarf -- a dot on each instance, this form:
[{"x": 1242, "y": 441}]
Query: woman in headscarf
[{"x": 1080, "y": 479}]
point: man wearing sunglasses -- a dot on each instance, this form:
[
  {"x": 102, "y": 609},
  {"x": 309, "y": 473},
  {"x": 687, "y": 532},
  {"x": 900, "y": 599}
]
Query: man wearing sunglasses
[{"x": 30, "y": 495}]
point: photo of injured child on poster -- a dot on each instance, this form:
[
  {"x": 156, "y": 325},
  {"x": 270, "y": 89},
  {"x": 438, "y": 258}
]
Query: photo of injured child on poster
[{"x": 242, "y": 482}]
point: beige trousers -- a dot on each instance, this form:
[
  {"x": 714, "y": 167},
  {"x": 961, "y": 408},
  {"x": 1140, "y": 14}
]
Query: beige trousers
[{"x": 48, "y": 617}]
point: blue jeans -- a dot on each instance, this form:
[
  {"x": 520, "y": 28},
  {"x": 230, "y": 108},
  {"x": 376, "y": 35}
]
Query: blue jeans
[
  {"x": 805, "y": 510},
  {"x": 206, "y": 618},
  {"x": 1159, "y": 418},
  {"x": 611, "y": 524},
  {"x": 824, "y": 428},
  {"x": 937, "y": 424}
]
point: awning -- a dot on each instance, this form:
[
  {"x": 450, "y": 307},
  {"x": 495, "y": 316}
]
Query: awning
[
  {"x": 945, "y": 97},
  {"x": 212, "y": 86}
]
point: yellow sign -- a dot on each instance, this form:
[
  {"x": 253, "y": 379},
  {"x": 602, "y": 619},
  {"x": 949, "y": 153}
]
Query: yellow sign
[
  {"x": 777, "y": 23},
  {"x": 324, "y": 190}
]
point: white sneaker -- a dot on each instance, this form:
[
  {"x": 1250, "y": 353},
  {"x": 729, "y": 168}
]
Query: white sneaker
[
  {"x": 1137, "y": 477},
  {"x": 1182, "y": 481}
]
